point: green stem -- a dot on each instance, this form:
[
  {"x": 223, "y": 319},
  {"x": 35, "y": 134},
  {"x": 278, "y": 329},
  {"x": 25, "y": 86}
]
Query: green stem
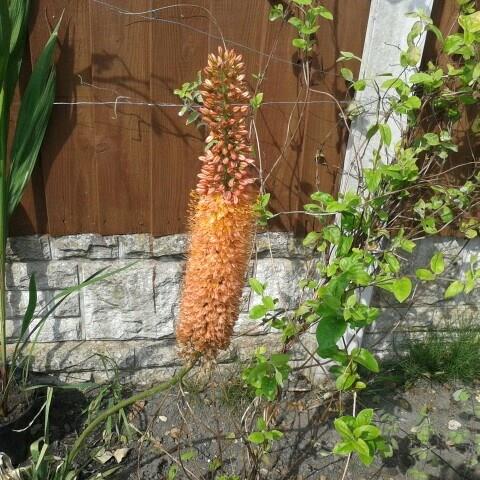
[
  {"x": 91, "y": 427},
  {"x": 3, "y": 243}
]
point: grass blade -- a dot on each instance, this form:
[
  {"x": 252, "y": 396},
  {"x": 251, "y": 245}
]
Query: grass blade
[
  {"x": 32, "y": 121},
  {"x": 32, "y": 303}
]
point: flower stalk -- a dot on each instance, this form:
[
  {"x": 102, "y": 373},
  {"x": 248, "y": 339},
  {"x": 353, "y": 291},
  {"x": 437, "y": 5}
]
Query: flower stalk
[{"x": 222, "y": 217}]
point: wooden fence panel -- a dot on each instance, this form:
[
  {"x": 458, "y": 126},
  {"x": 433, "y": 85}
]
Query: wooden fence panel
[{"x": 130, "y": 168}]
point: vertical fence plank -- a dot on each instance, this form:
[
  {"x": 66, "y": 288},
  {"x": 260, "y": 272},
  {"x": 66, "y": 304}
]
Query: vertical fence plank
[
  {"x": 121, "y": 50},
  {"x": 122, "y": 168},
  {"x": 326, "y": 133},
  {"x": 179, "y": 51},
  {"x": 67, "y": 154}
]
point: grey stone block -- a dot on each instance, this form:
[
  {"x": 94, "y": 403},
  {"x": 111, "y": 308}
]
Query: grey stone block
[
  {"x": 138, "y": 302},
  {"x": 170, "y": 245},
  {"x": 17, "y": 303},
  {"x": 81, "y": 356},
  {"x": 135, "y": 246},
  {"x": 31, "y": 248},
  {"x": 48, "y": 275},
  {"x": 278, "y": 244},
  {"x": 58, "y": 330},
  {"x": 281, "y": 276},
  {"x": 85, "y": 246}
]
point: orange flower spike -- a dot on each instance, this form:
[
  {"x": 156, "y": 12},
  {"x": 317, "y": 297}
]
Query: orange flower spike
[{"x": 222, "y": 218}]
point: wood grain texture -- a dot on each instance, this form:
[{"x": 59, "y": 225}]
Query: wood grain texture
[{"x": 126, "y": 169}]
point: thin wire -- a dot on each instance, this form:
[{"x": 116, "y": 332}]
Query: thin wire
[{"x": 145, "y": 13}]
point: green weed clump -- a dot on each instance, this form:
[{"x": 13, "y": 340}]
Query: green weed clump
[{"x": 449, "y": 355}]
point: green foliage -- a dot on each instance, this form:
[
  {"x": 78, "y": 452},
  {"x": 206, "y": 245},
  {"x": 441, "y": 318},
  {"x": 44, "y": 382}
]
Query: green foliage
[
  {"x": 267, "y": 374},
  {"x": 191, "y": 97},
  {"x": 304, "y": 19},
  {"x": 263, "y": 435},
  {"x": 448, "y": 356},
  {"x": 358, "y": 435}
]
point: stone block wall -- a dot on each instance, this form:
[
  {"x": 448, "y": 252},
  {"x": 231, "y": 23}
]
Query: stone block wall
[
  {"x": 130, "y": 315},
  {"x": 426, "y": 309}
]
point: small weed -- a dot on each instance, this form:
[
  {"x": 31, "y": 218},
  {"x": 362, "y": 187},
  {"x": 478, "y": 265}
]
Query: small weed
[{"x": 449, "y": 355}]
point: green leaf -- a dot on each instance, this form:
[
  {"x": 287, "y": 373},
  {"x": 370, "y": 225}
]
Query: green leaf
[
  {"x": 269, "y": 303},
  {"x": 332, "y": 234},
  {"x": 437, "y": 263},
  {"x": 323, "y": 12},
  {"x": 256, "y": 286},
  {"x": 364, "y": 417},
  {"x": 359, "y": 85},
  {"x": 402, "y": 288},
  {"x": 33, "y": 116},
  {"x": 276, "y": 12},
  {"x": 410, "y": 57},
  {"x": 424, "y": 274},
  {"x": 188, "y": 455},
  {"x": 311, "y": 238},
  {"x": 329, "y": 331},
  {"x": 361, "y": 447},
  {"x": 367, "y": 432},
  {"x": 454, "y": 289},
  {"x": 342, "y": 428},
  {"x": 256, "y": 437},
  {"x": 412, "y": 103},
  {"x": 461, "y": 395},
  {"x": 343, "y": 448},
  {"x": 299, "y": 43},
  {"x": 347, "y": 56},
  {"x": 385, "y": 133},
  {"x": 303, "y": 2},
  {"x": 347, "y": 74},
  {"x": 32, "y": 303},
  {"x": 258, "y": 311},
  {"x": 345, "y": 381},
  {"x": 366, "y": 359},
  {"x": 257, "y": 100}
]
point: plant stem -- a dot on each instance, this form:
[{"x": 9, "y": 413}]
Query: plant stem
[
  {"x": 3, "y": 243},
  {"x": 91, "y": 427}
]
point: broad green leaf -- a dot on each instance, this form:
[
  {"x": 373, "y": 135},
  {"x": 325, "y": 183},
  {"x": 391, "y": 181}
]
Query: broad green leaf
[
  {"x": 437, "y": 263},
  {"x": 311, "y": 238},
  {"x": 299, "y": 43},
  {"x": 258, "y": 311},
  {"x": 385, "y": 133},
  {"x": 364, "y": 417},
  {"x": 256, "y": 437},
  {"x": 33, "y": 116},
  {"x": 342, "y": 428},
  {"x": 424, "y": 274},
  {"x": 323, "y": 12},
  {"x": 365, "y": 358},
  {"x": 343, "y": 448},
  {"x": 347, "y": 74},
  {"x": 256, "y": 286},
  {"x": 332, "y": 234},
  {"x": 461, "y": 395},
  {"x": 401, "y": 288},
  {"x": 454, "y": 289},
  {"x": 412, "y": 102},
  {"x": 345, "y": 380},
  {"x": 367, "y": 432},
  {"x": 276, "y": 12},
  {"x": 188, "y": 455},
  {"x": 361, "y": 447},
  {"x": 329, "y": 331}
]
